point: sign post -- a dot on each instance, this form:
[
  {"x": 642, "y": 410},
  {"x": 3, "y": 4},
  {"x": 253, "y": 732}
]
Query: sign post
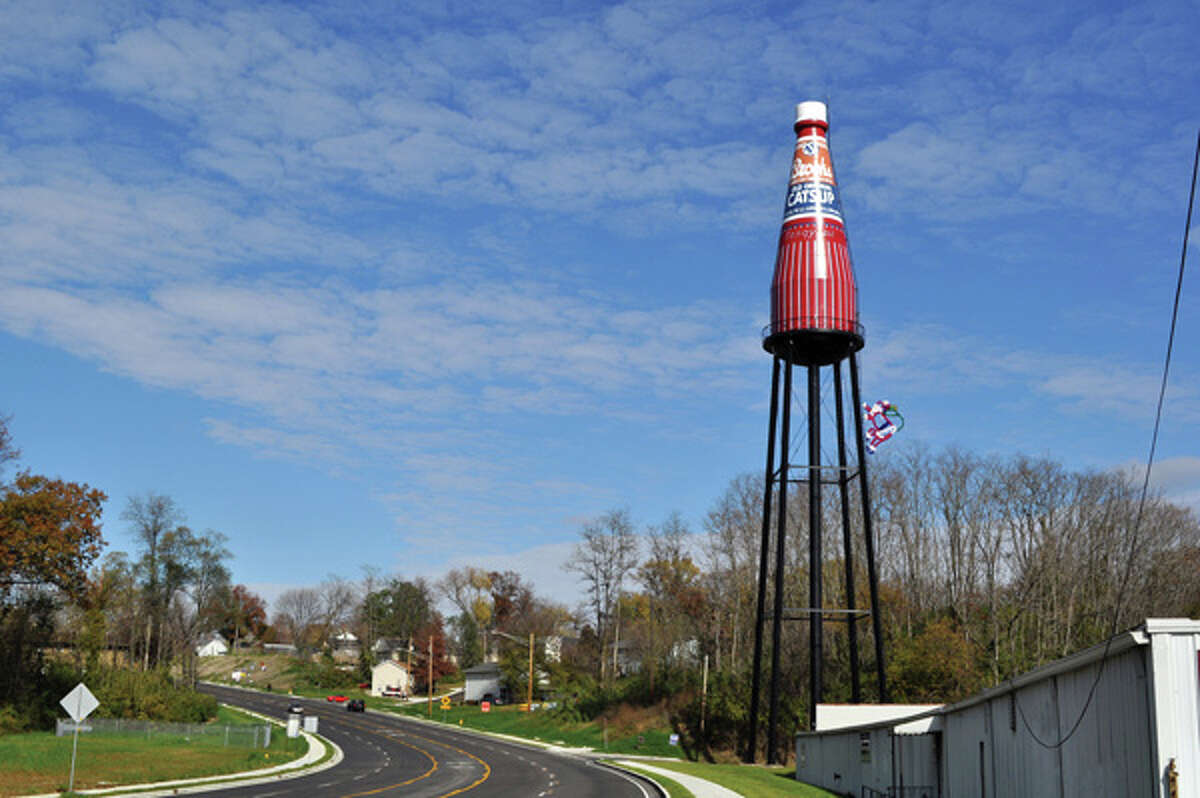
[{"x": 79, "y": 703}]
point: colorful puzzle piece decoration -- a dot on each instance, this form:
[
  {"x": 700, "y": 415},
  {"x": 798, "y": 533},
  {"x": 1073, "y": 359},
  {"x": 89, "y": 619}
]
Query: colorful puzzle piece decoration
[{"x": 881, "y": 418}]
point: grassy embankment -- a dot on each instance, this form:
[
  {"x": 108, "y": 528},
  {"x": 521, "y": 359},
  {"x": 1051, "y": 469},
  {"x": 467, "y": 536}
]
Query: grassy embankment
[
  {"x": 630, "y": 731},
  {"x": 39, "y": 762},
  {"x": 761, "y": 782}
]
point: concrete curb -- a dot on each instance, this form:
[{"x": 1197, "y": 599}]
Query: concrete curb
[
  {"x": 629, "y": 773},
  {"x": 305, "y": 765},
  {"x": 701, "y": 788}
]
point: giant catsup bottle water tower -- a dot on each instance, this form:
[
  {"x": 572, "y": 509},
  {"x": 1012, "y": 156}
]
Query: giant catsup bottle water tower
[
  {"x": 814, "y": 324},
  {"x": 814, "y": 297}
]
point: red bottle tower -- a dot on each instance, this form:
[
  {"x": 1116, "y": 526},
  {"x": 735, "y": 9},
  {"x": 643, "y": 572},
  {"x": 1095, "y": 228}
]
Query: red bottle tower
[
  {"x": 814, "y": 324},
  {"x": 814, "y": 297}
]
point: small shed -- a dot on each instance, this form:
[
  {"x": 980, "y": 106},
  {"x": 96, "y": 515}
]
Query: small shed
[
  {"x": 482, "y": 680},
  {"x": 390, "y": 678},
  {"x": 215, "y": 646}
]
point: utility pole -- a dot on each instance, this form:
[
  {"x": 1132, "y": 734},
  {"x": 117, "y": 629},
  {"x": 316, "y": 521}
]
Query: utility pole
[
  {"x": 530, "y": 699},
  {"x": 430, "y": 713}
]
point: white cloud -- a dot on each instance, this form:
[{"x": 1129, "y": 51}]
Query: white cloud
[
  {"x": 1179, "y": 480},
  {"x": 919, "y": 357},
  {"x": 340, "y": 230}
]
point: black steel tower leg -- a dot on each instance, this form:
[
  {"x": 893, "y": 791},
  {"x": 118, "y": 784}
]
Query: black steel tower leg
[
  {"x": 847, "y": 540},
  {"x": 815, "y": 598},
  {"x": 780, "y": 539},
  {"x": 868, "y": 532},
  {"x": 764, "y": 553}
]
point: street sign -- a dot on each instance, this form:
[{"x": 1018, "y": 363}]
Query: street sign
[
  {"x": 445, "y": 702},
  {"x": 79, "y": 703},
  {"x": 485, "y": 706}
]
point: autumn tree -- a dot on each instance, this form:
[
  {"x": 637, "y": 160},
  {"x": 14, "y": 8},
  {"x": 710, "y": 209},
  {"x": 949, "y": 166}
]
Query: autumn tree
[
  {"x": 431, "y": 637},
  {"x": 49, "y": 537},
  {"x": 243, "y": 612},
  {"x": 51, "y": 534}
]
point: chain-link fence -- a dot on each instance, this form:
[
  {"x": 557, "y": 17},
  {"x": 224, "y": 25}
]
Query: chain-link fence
[{"x": 239, "y": 736}]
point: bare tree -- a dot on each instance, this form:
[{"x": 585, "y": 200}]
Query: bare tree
[
  {"x": 152, "y": 516},
  {"x": 298, "y": 611},
  {"x": 734, "y": 526},
  {"x": 8, "y": 451},
  {"x": 602, "y": 559},
  {"x": 338, "y": 600}
]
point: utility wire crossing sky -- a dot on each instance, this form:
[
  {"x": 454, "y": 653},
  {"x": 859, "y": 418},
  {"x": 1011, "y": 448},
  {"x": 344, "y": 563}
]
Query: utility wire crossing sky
[{"x": 418, "y": 288}]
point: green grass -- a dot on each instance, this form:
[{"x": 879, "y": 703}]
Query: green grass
[
  {"x": 760, "y": 782},
  {"x": 39, "y": 762},
  {"x": 544, "y": 727},
  {"x": 674, "y": 789}
]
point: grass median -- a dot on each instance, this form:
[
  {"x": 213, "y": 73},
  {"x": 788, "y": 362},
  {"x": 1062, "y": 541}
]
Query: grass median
[
  {"x": 547, "y": 728},
  {"x": 39, "y": 762}
]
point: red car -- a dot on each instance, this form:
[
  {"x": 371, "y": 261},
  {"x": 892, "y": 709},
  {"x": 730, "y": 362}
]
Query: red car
[{"x": 337, "y": 698}]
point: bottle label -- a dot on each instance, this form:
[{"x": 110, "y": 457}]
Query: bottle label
[{"x": 812, "y": 189}]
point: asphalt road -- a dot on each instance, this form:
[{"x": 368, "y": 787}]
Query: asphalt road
[{"x": 387, "y": 755}]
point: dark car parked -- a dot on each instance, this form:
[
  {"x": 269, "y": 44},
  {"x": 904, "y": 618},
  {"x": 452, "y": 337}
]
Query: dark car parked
[
  {"x": 356, "y": 705},
  {"x": 294, "y": 708}
]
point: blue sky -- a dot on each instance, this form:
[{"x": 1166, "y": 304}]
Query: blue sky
[{"x": 357, "y": 283}]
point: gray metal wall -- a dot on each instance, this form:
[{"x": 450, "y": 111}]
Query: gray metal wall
[
  {"x": 1109, "y": 753},
  {"x": 988, "y": 749}
]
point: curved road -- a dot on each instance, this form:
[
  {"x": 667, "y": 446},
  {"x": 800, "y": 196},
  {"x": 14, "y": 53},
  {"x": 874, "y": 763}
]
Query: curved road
[{"x": 388, "y": 755}]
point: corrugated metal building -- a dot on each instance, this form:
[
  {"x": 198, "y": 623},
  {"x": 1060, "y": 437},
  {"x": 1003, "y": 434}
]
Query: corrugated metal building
[{"x": 1135, "y": 701}]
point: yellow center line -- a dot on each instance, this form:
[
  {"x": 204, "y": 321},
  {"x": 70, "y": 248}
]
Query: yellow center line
[
  {"x": 372, "y": 730},
  {"x": 487, "y": 770},
  {"x": 424, "y": 775}
]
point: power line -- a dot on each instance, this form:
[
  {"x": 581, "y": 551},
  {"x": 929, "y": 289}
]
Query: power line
[{"x": 1137, "y": 523}]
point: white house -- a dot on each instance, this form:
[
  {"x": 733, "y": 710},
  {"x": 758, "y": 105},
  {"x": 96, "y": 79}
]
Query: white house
[
  {"x": 390, "y": 677},
  {"x": 213, "y": 647}
]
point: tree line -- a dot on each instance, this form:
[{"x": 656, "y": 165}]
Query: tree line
[{"x": 988, "y": 566}]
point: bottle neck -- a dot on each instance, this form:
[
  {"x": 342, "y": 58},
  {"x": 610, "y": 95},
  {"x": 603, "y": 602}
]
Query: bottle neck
[{"x": 810, "y": 128}]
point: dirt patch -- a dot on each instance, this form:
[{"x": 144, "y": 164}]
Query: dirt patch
[
  {"x": 627, "y": 720},
  {"x": 258, "y": 670}
]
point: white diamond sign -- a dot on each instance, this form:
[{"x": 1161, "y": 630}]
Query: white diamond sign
[{"x": 79, "y": 703}]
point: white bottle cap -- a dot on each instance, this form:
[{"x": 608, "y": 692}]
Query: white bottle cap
[{"x": 811, "y": 111}]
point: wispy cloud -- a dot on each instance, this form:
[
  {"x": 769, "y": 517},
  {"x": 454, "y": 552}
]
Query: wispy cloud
[{"x": 400, "y": 234}]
